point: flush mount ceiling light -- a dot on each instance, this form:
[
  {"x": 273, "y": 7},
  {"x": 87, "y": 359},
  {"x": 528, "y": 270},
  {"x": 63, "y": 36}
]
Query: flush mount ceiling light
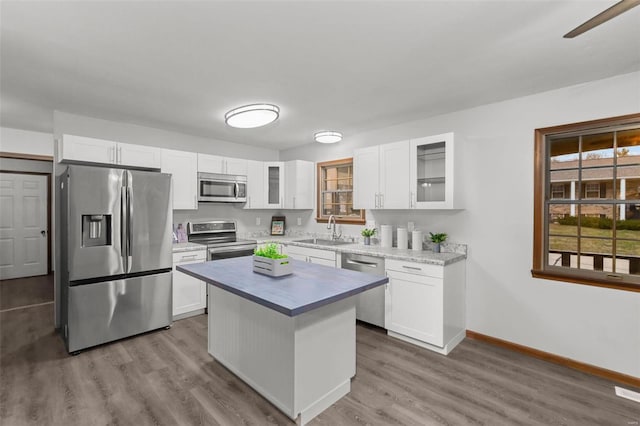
[
  {"x": 250, "y": 116},
  {"x": 328, "y": 137}
]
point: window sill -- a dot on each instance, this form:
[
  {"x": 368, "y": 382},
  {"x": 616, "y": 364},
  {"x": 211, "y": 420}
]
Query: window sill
[
  {"x": 585, "y": 281},
  {"x": 355, "y": 221}
]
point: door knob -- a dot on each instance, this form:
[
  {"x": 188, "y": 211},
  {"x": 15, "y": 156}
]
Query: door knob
[{"x": 43, "y": 233}]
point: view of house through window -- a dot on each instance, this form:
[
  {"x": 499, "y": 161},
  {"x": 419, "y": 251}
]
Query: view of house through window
[
  {"x": 335, "y": 192},
  {"x": 592, "y": 203}
]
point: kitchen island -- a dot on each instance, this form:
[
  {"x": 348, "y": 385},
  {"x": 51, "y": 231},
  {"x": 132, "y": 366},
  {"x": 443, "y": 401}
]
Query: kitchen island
[{"x": 290, "y": 338}]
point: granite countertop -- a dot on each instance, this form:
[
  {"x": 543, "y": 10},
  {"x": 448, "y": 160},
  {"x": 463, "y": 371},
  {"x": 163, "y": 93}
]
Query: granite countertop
[
  {"x": 309, "y": 287},
  {"x": 182, "y": 247},
  {"x": 452, "y": 252}
]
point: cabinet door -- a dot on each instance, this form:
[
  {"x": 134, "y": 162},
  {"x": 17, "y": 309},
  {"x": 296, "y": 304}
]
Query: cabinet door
[
  {"x": 415, "y": 307},
  {"x": 255, "y": 185},
  {"x": 91, "y": 150},
  {"x": 365, "y": 178},
  {"x": 299, "y": 191},
  {"x": 183, "y": 167},
  {"x": 235, "y": 166},
  {"x": 189, "y": 294},
  {"x": 210, "y": 163},
  {"x": 431, "y": 167},
  {"x": 148, "y": 157},
  {"x": 274, "y": 180},
  {"x": 394, "y": 176}
]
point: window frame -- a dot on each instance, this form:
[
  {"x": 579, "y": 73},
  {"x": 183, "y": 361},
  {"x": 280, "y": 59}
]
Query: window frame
[
  {"x": 360, "y": 220},
  {"x": 539, "y": 269}
]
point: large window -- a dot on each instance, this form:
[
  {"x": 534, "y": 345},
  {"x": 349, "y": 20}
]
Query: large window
[
  {"x": 587, "y": 203},
  {"x": 335, "y": 192}
]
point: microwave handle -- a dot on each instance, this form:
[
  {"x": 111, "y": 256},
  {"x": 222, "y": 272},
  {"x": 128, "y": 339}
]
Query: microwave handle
[{"x": 236, "y": 189}]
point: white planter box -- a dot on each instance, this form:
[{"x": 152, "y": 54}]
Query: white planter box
[{"x": 272, "y": 267}]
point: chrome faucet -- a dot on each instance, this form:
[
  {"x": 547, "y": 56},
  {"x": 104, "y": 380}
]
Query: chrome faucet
[{"x": 334, "y": 236}]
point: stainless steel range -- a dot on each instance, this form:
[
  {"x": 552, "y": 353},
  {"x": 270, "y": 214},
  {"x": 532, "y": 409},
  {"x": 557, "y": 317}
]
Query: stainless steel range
[{"x": 220, "y": 238}]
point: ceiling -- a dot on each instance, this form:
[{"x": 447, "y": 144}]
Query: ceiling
[{"x": 343, "y": 65}]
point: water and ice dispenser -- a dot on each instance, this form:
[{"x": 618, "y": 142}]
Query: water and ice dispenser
[{"x": 96, "y": 230}]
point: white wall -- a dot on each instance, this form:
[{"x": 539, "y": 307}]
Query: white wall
[
  {"x": 130, "y": 133},
  {"x": 25, "y": 141},
  {"x": 594, "y": 325}
]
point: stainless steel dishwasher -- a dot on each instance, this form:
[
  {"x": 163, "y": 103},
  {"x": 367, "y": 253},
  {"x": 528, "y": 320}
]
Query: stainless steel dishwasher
[{"x": 370, "y": 304}]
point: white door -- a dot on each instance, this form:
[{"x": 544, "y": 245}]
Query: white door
[
  {"x": 210, "y": 163},
  {"x": 23, "y": 225}
]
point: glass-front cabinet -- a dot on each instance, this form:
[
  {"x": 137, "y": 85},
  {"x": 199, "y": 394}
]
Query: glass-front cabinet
[
  {"x": 432, "y": 173},
  {"x": 274, "y": 178}
]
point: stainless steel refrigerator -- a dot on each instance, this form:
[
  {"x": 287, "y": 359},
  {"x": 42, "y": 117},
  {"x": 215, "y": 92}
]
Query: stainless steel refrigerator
[{"x": 116, "y": 280}]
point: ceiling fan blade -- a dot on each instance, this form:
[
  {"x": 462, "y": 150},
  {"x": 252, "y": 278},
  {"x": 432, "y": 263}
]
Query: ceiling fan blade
[{"x": 612, "y": 12}]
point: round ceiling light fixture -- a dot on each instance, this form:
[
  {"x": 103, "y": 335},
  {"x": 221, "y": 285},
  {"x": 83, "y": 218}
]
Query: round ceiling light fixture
[
  {"x": 250, "y": 116},
  {"x": 328, "y": 137}
]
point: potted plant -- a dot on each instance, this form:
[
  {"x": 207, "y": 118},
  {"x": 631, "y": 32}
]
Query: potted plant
[
  {"x": 268, "y": 261},
  {"x": 367, "y": 234},
  {"x": 437, "y": 239}
]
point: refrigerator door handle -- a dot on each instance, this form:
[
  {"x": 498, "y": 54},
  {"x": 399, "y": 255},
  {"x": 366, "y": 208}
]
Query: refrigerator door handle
[
  {"x": 123, "y": 227},
  {"x": 129, "y": 222}
]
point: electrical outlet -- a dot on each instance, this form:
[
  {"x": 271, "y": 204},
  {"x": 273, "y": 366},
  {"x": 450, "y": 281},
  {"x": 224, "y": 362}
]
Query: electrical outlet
[
  {"x": 299, "y": 221},
  {"x": 257, "y": 221}
]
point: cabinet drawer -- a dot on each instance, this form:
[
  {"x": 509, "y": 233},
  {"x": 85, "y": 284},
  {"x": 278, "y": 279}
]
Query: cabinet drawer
[
  {"x": 306, "y": 251},
  {"x": 190, "y": 256},
  {"x": 435, "y": 271}
]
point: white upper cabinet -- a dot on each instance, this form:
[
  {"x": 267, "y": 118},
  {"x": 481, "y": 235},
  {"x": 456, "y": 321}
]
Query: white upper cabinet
[
  {"x": 381, "y": 177},
  {"x": 366, "y": 178},
  {"x": 80, "y": 148},
  {"x": 299, "y": 191},
  {"x": 274, "y": 184},
  {"x": 223, "y": 165},
  {"x": 139, "y": 156},
  {"x": 210, "y": 163},
  {"x": 183, "y": 167},
  {"x": 394, "y": 176},
  {"x": 83, "y": 149},
  {"x": 235, "y": 166},
  {"x": 255, "y": 185},
  {"x": 432, "y": 173}
]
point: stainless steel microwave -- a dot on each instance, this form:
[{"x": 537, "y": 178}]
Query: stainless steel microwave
[{"x": 213, "y": 187}]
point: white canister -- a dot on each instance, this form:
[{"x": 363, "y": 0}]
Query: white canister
[
  {"x": 386, "y": 236},
  {"x": 403, "y": 239},
  {"x": 416, "y": 240}
]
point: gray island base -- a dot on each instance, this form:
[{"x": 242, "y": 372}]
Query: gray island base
[{"x": 292, "y": 339}]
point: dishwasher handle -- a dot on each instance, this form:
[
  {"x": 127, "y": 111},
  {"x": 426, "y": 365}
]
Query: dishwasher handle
[{"x": 360, "y": 262}]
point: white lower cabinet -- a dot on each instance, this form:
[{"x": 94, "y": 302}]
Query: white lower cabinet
[
  {"x": 425, "y": 304},
  {"x": 189, "y": 294},
  {"x": 311, "y": 255}
]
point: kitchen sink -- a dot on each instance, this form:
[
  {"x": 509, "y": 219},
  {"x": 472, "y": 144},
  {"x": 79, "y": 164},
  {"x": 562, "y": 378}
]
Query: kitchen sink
[{"x": 323, "y": 242}]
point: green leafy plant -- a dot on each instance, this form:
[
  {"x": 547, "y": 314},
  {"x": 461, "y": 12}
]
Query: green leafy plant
[
  {"x": 438, "y": 238},
  {"x": 269, "y": 251},
  {"x": 366, "y": 232}
]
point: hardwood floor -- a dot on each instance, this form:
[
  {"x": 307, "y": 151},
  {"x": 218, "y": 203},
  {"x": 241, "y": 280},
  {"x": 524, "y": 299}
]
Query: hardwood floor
[
  {"x": 168, "y": 378},
  {"x": 26, "y": 291}
]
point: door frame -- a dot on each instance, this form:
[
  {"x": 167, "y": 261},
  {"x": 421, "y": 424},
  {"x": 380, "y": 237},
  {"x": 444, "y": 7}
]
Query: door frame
[{"x": 32, "y": 157}]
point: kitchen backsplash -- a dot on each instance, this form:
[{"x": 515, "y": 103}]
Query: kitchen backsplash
[{"x": 426, "y": 221}]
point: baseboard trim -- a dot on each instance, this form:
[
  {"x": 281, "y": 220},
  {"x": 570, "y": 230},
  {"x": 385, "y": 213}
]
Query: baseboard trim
[{"x": 557, "y": 359}]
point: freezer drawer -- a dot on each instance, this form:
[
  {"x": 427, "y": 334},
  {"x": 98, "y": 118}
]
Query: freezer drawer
[{"x": 111, "y": 310}]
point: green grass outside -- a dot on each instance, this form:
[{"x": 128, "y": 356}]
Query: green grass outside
[{"x": 590, "y": 245}]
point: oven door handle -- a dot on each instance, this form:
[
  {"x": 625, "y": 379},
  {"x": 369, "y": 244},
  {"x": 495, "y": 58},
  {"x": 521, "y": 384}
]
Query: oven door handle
[{"x": 230, "y": 249}]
